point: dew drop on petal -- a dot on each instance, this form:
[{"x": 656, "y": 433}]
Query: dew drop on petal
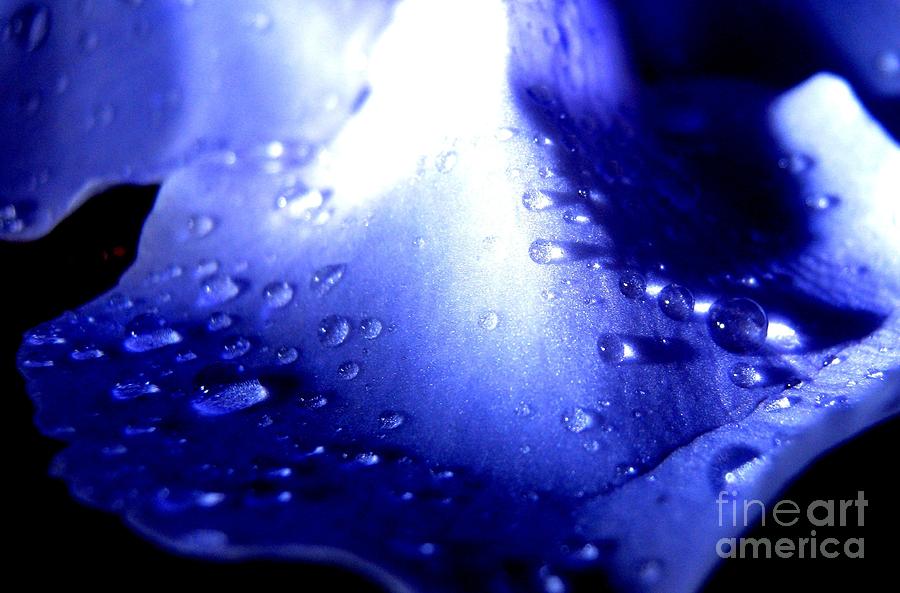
[
  {"x": 326, "y": 278},
  {"x": 370, "y": 328},
  {"x": 745, "y": 375},
  {"x": 333, "y": 330},
  {"x": 676, "y": 302},
  {"x": 278, "y": 294},
  {"x": 738, "y": 325},
  {"x": 632, "y": 285},
  {"x": 230, "y": 398}
]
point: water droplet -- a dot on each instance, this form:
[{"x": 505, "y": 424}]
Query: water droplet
[
  {"x": 504, "y": 134},
  {"x": 218, "y": 289},
  {"x": 632, "y": 285},
  {"x": 230, "y": 398},
  {"x": 676, "y": 302},
  {"x": 370, "y": 328},
  {"x": 391, "y": 420},
  {"x": 235, "y": 347},
  {"x": 543, "y": 251},
  {"x": 578, "y": 420},
  {"x": 333, "y": 330},
  {"x": 611, "y": 348},
  {"x": 446, "y": 161},
  {"x": 348, "y": 370},
  {"x": 278, "y": 294},
  {"x": 367, "y": 458},
  {"x": 745, "y": 375},
  {"x": 29, "y": 26},
  {"x": 796, "y": 163},
  {"x": 822, "y": 201},
  {"x": 286, "y": 355},
  {"x": 301, "y": 202},
  {"x": 15, "y": 216},
  {"x": 37, "y": 363},
  {"x": 87, "y": 352},
  {"x": 524, "y": 409},
  {"x": 650, "y": 571},
  {"x": 219, "y": 321},
  {"x": 326, "y": 278},
  {"x": 149, "y": 332},
  {"x": 200, "y": 225},
  {"x": 535, "y": 200},
  {"x": 738, "y": 325},
  {"x": 133, "y": 389},
  {"x": 732, "y": 465},
  {"x": 488, "y": 321},
  {"x": 88, "y": 41},
  {"x": 888, "y": 63}
]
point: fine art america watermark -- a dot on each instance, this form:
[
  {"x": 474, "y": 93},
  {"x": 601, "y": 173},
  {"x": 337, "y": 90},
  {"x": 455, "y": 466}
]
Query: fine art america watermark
[{"x": 787, "y": 513}]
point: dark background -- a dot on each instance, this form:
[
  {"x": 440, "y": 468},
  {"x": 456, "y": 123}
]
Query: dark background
[{"x": 51, "y": 537}]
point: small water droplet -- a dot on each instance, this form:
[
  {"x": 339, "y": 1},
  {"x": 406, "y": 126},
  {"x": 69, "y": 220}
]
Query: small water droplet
[
  {"x": 543, "y": 251},
  {"x": 333, "y": 330},
  {"x": 278, "y": 294},
  {"x": 676, "y": 302},
  {"x": 731, "y": 466},
  {"x": 218, "y": 321},
  {"x": 578, "y": 420},
  {"x": 235, "y": 347},
  {"x": 632, "y": 285},
  {"x": 611, "y": 348},
  {"x": 650, "y": 571},
  {"x": 504, "y": 134},
  {"x": 535, "y": 200},
  {"x": 326, "y": 278},
  {"x": 29, "y": 26},
  {"x": 87, "y": 352},
  {"x": 744, "y": 374},
  {"x": 218, "y": 289},
  {"x": 301, "y": 202},
  {"x": 488, "y": 321},
  {"x": 230, "y": 398},
  {"x": 348, "y": 370},
  {"x": 738, "y": 325},
  {"x": 200, "y": 225},
  {"x": 446, "y": 161},
  {"x": 147, "y": 332},
  {"x": 132, "y": 389},
  {"x": 888, "y": 63},
  {"x": 391, "y": 420},
  {"x": 370, "y": 328},
  {"x": 286, "y": 355}
]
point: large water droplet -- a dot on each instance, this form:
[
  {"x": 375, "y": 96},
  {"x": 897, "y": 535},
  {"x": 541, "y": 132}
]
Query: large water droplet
[
  {"x": 333, "y": 330},
  {"x": 326, "y": 278},
  {"x": 738, "y": 324},
  {"x": 676, "y": 302},
  {"x": 278, "y": 294},
  {"x": 231, "y": 398},
  {"x": 731, "y": 466}
]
